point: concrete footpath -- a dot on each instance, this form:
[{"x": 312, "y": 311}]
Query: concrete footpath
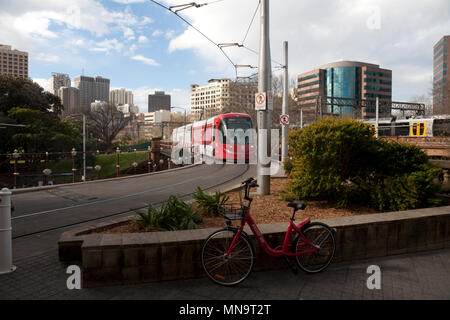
[{"x": 423, "y": 275}]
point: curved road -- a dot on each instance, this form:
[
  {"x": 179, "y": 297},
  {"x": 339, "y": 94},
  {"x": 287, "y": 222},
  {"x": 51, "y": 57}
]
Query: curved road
[{"x": 64, "y": 206}]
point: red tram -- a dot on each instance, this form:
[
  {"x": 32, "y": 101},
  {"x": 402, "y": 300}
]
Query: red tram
[{"x": 224, "y": 137}]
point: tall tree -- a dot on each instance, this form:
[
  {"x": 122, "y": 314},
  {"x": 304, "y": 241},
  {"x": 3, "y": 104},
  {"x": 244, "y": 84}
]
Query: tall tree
[
  {"x": 24, "y": 93},
  {"x": 106, "y": 121}
]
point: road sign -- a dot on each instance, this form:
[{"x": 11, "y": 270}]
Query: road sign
[
  {"x": 284, "y": 119},
  {"x": 260, "y": 101}
]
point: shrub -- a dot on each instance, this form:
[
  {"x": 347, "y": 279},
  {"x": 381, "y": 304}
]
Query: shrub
[
  {"x": 210, "y": 204},
  {"x": 340, "y": 160},
  {"x": 173, "y": 215}
]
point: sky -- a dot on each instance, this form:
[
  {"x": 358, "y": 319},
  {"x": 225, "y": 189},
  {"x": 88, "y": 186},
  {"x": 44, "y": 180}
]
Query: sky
[{"x": 143, "y": 47}]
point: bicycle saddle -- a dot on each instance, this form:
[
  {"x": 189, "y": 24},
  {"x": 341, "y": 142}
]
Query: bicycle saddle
[{"x": 297, "y": 205}]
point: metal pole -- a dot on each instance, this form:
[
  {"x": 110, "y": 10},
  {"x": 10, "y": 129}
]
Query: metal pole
[
  {"x": 377, "y": 110},
  {"x": 301, "y": 118},
  {"x": 117, "y": 162},
  {"x": 84, "y": 147},
  {"x": 264, "y": 117},
  {"x": 285, "y": 106},
  {"x": 6, "y": 265}
]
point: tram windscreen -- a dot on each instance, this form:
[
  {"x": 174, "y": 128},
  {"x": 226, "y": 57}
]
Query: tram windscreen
[{"x": 238, "y": 130}]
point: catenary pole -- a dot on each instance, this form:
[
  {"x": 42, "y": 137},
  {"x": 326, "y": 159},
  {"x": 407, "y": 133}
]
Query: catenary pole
[
  {"x": 285, "y": 106},
  {"x": 264, "y": 117}
]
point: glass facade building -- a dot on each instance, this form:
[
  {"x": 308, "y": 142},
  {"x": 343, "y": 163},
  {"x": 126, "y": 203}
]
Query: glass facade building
[{"x": 344, "y": 80}]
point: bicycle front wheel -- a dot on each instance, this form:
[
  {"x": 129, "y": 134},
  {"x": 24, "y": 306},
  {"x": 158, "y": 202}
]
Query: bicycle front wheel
[
  {"x": 232, "y": 269},
  {"x": 320, "y": 237}
]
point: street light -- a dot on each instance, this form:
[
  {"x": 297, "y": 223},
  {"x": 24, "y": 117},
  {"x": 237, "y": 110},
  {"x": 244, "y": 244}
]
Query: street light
[
  {"x": 74, "y": 153},
  {"x": 117, "y": 161},
  {"x": 16, "y": 156}
]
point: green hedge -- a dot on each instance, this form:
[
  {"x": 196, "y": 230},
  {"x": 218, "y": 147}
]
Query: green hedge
[{"x": 340, "y": 160}]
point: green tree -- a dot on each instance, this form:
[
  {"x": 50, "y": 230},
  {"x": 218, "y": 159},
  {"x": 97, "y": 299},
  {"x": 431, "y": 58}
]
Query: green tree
[
  {"x": 23, "y": 101},
  {"x": 24, "y": 93}
]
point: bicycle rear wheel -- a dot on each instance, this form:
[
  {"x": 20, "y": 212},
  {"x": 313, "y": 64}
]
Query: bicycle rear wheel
[
  {"x": 320, "y": 236},
  {"x": 227, "y": 270}
]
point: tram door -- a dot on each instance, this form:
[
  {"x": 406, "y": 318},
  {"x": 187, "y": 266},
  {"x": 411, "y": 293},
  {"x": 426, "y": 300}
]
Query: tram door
[{"x": 418, "y": 129}]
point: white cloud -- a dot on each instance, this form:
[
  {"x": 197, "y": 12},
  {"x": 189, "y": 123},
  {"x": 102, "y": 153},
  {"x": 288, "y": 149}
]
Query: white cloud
[
  {"x": 145, "y": 60},
  {"x": 47, "y": 57},
  {"x": 157, "y": 33},
  {"x": 108, "y": 45},
  {"x": 142, "y": 39},
  {"x": 44, "y": 83},
  {"x": 170, "y": 34},
  {"x": 128, "y": 33}
]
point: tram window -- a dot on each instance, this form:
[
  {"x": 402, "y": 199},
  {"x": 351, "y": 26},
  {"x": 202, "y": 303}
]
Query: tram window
[{"x": 402, "y": 129}]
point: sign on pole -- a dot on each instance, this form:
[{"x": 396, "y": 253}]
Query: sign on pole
[
  {"x": 260, "y": 101},
  {"x": 284, "y": 119}
]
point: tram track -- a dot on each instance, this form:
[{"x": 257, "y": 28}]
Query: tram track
[{"x": 185, "y": 196}]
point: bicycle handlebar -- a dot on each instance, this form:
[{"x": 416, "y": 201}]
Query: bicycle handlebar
[{"x": 249, "y": 183}]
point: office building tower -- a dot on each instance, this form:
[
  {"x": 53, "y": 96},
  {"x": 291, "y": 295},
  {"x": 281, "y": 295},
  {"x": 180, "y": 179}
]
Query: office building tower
[
  {"x": 92, "y": 89},
  {"x": 358, "y": 82},
  {"x": 70, "y": 98},
  {"x": 441, "y": 79},
  {"x": 158, "y": 101}
]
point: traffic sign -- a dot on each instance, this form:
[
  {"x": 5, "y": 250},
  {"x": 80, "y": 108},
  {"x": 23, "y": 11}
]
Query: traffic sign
[
  {"x": 260, "y": 101},
  {"x": 284, "y": 119}
]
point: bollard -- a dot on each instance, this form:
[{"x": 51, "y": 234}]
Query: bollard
[{"x": 5, "y": 232}]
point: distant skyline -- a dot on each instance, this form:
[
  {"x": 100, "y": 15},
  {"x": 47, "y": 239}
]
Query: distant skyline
[{"x": 144, "y": 48}]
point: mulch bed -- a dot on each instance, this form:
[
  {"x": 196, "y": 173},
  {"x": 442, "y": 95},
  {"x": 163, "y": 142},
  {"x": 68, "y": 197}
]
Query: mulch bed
[{"x": 270, "y": 209}]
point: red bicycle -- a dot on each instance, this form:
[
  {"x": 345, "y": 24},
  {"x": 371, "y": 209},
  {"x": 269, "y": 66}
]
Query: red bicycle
[{"x": 228, "y": 255}]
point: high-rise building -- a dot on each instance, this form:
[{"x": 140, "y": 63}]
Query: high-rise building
[
  {"x": 70, "y": 98},
  {"x": 92, "y": 89},
  {"x": 58, "y": 80},
  {"x": 158, "y": 101},
  {"x": 121, "y": 97},
  {"x": 441, "y": 79},
  {"x": 13, "y": 62},
  {"x": 346, "y": 80},
  {"x": 218, "y": 94}
]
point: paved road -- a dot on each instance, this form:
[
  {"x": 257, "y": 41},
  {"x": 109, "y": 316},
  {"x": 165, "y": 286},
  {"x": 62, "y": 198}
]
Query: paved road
[{"x": 72, "y": 204}]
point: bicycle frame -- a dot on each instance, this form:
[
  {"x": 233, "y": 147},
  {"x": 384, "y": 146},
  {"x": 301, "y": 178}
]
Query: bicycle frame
[{"x": 284, "y": 251}]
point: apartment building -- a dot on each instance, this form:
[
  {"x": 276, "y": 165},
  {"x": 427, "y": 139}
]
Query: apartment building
[
  {"x": 219, "y": 94},
  {"x": 13, "y": 62},
  {"x": 59, "y": 80},
  {"x": 120, "y": 97}
]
